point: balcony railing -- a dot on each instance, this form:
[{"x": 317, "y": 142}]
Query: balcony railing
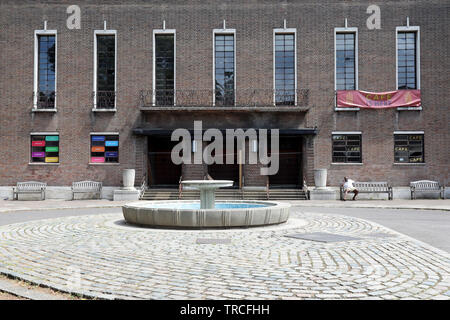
[
  {"x": 44, "y": 100},
  {"x": 224, "y": 98},
  {"x": 104, "y": 100}
]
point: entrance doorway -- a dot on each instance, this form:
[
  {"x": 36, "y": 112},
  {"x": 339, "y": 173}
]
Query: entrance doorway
[
  {"x": 226, "y": 171},
  {"x": 290, "y": 170},
  {"x": 162, "y": 172}
]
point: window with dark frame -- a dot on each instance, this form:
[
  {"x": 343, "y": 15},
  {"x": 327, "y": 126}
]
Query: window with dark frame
[
  {"x": 46, "y": 72},
  {"x": 164, "y": 69},
  {"x": 45, "y": 148},
  {"x": 106, "y": 65},
  {"x": 224, "y": 69},
  {"x": 345, "y": 61},
  {"x": 285, "y": 69},
  {"x": 406, "y": 64},
  {"x": 104, "y": 148},
  {"x": 409, "y": 148},
  {"x": 346, "y": 148}
]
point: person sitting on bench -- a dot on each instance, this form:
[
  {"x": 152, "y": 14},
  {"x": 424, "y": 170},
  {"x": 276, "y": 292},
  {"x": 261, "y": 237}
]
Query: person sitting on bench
[{"x": 348, "y": 187}]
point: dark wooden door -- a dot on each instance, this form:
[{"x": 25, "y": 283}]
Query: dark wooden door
[
  {"x": 290, "y": 169},
  {"x": 162, "y": 171},
  {"x": 225, "y": 171}
]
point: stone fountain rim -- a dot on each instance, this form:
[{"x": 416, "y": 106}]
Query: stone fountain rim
[{"x": 268, "y": 203}]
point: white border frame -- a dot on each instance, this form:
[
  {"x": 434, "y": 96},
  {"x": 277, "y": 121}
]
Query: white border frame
[
  {"x": 38, "y": 33},
  {"x": 44, "y": 163},
  {"x": 346, "y": 30},
  {"x": 89, "y": 153},
  {"x": 415, "y": 29},
  {"x": 223, "y": 32},
  {"x": 346, "y": 163},
  {"x": 157, "y": 32},
  {"x": 285, "y": 31},
  {"x": 104, "y": 33}
]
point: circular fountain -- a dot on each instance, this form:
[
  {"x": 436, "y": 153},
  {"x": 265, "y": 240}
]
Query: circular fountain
[{"x": 206, "y": 213}]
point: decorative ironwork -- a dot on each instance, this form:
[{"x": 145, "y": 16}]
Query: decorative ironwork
[
  {"x": 224, "y": 98},
  {"x": 44, "y": 99},
  {"x": 104, "y": 99}
]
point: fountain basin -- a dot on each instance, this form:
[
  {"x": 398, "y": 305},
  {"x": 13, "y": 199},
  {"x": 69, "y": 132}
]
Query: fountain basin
[{"x": 187, "y": 213}]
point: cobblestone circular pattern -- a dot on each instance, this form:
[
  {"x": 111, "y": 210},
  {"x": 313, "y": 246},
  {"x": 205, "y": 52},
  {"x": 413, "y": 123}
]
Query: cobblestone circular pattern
[{"x": 97, "y": 256}]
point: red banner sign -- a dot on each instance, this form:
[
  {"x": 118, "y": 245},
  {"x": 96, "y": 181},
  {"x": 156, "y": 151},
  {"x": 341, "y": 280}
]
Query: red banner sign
[{"x": 378, "y": 100}]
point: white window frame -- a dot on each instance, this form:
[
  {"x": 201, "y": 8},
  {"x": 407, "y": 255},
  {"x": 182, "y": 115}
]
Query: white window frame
[
  {"x": 155, "y": 33},
  {"x": 285, "y": 31},
  {"x": 222, "y": 31},
  {"x": 410, "y": 163},
  {"x": 38, "y": 33},
  {"x": 89, "y": 150},
  {"x": 44, "y": 163},
  {"x": 346, "y": 30},
  {"x": 105, "y": 33},
  {"x": 415, "y": 29},
  {"x": 346, "y": 163}
]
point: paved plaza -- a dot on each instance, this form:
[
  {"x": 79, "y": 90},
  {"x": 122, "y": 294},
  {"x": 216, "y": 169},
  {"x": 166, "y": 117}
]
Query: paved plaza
[{"x": 101, "y": 256}]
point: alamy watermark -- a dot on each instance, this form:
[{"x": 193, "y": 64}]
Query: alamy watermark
[{"x": 190, "y": 149}]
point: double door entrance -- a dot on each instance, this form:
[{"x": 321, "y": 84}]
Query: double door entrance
[{"x": 162, "y": 172}]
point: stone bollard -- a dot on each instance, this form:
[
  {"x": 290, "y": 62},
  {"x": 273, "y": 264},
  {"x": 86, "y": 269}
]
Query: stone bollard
[{"x": 128, "y": 176}]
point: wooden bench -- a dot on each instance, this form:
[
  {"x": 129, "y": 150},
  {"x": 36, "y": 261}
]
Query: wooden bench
[
  {"x": 370, "y": 187},
  {"x": 426, "y": 186},
  {"x": 86, "y": 187},
  {"x": 29, "y": 187}
]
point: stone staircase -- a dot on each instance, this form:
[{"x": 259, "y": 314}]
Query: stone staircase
[{"x": 226, "y": 194}]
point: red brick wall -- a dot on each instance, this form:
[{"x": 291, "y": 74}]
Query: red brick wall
[{"x": 194, "y": 22}]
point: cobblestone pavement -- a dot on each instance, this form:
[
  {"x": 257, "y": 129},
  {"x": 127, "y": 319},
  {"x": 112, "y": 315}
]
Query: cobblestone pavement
[{"x": 100, "y": 256}]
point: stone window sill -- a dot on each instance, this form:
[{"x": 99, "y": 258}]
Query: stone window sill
[
  {"x": 409, "y": 164},
  {"x": 103, "y": 164},
  {"x": 43, "y": 164},
  {"x": 43, "y": 110},
  {"x": 346, "y": 164},
  {"x": 104, "y": 110}
]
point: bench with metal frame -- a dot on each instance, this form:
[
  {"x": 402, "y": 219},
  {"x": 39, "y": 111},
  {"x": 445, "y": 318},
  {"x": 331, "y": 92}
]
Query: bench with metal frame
[
  {"x": 86, "y": 187},
  {"x": 426, "y": 186},
  {"x": 370, "y": 187},
  {"x": 29, "y": 187}
]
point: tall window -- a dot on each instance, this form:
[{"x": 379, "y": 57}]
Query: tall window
[
  {"x": 46, "y": 71},
  {"x": 106, "y": 71},
  {"x": 406, "y": 60},
  {"x": 346, "y": 61},
  {"x": 346, "y": 148},
  {"x": 408, "y": 148},
  {"x": 164, "y": 56},
  {"x": 224, "y": 69},
  {"x": 285, "y": 69},
  {"x": 45, "y": 148}
]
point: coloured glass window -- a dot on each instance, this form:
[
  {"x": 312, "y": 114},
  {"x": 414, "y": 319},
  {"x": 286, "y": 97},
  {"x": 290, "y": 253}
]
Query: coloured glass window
[
  {"x": 406, "y": 64},
  {"x": 104, "y": 149},
  {"x": 345, "y": 61},
  {"x": 45, "y": 148},
  {"x": 46, "y": 72},
  {"x": 285, "y": 69},
  {"x": 106, "y": 65},
  {"x": 409, "y": 148},
  {"x": 347, "y": 148},
  {"x": 224, "y": 69}
]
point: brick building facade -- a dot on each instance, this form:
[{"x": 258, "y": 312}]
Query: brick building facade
[{"x": 143, "y": 127}]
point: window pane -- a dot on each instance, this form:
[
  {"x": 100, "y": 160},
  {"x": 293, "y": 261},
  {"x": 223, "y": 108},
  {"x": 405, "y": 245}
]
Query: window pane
[
  {"x": 285, "y": 69},
  {"x": 408, "y": 148},
  {"x": 346, "y": 148},
  {"x": 345, "y": 61},
  {"x": 224, "y": 69}
]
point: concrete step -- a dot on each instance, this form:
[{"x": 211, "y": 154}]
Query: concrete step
[{"x": 274, "y": 194}]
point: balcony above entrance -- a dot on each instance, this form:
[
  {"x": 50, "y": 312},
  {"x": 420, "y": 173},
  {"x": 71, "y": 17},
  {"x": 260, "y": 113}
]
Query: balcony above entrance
[{"x": 242, "y": 100}]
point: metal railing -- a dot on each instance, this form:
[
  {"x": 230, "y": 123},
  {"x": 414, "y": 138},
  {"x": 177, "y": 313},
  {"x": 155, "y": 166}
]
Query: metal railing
[
  {"x": 143, "y": 186},
  {"x": 223, "y": 98},
  {"x": 44, "y": 99},
  {"x": 180, "y": 187},
  {"x": 104, "y": 99}
]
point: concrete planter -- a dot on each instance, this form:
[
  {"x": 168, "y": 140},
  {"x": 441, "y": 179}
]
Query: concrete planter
[
  {"x": 128, "y": 179},
  {"x": 320, "y": 178}
]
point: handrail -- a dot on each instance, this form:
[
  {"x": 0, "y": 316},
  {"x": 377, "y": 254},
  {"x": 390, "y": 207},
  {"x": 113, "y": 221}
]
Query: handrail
[
  {"x": 267, "y": 187},
  {"x": 143, "y": 185},
  {"x": 180, "y": 188}
]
